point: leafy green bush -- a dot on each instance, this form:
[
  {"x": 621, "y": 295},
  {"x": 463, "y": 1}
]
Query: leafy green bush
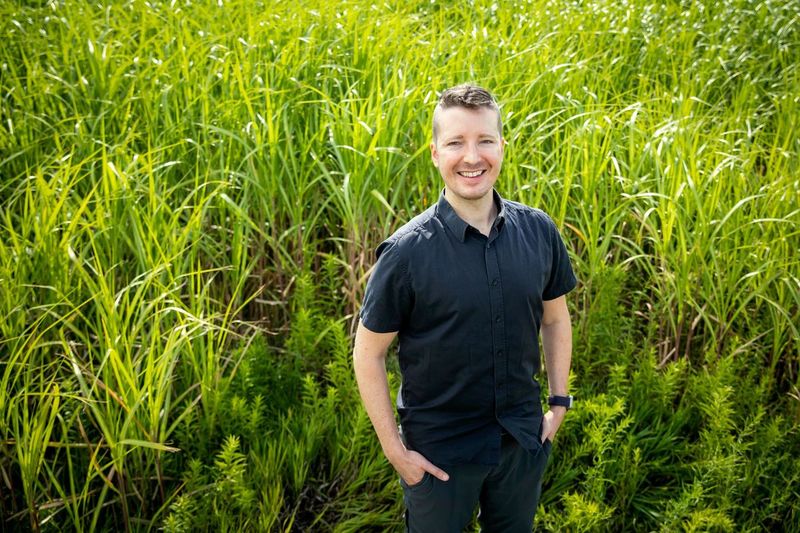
[{"x": 315, "y": 465}]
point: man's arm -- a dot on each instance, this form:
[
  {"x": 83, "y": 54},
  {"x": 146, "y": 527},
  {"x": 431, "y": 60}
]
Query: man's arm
[
  {"x": 556, "y": 333},
  {"x": 369, "y": 361}
]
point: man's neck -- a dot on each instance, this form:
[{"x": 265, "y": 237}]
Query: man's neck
[{"x": 478, "y": 213}]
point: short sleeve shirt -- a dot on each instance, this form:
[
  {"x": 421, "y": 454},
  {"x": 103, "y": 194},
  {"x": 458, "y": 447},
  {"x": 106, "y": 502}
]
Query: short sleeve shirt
[{"x": 467, "y": 309}]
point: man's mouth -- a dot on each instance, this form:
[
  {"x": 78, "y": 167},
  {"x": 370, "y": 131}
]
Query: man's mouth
[{"x": 471, "y": 174}]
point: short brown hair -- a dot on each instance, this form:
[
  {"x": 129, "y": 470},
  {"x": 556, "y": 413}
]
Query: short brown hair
[{"x": 469, "y": 96}]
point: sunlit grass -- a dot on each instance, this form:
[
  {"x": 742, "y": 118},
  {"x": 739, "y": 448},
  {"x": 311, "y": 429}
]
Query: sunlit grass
[{"x": 171, "y": 172}]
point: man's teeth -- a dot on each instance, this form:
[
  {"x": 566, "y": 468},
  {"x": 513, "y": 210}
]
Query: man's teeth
[{"x": 471, "y": 174}]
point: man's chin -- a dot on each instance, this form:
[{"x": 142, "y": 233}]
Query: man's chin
[{"x": 472, "y": 196}]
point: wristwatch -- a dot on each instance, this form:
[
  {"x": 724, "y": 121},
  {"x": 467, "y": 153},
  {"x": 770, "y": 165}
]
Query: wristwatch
[{"x": 561, "y": 401}]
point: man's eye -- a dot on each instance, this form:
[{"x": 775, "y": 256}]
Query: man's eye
[
  {"x": 453, "y": 143},
  {"x": 487, "y": 141}
]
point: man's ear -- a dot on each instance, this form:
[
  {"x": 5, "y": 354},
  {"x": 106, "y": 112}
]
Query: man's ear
[{"x": 434, "y": 155}]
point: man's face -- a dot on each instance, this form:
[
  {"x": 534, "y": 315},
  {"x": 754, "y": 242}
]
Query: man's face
[{"x": 468, "y": 151}]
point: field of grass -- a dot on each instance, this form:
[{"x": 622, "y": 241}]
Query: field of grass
[{"x": 190, "y": 197}]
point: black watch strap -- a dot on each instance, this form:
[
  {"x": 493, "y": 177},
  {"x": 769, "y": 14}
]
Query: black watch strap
[{"x": 561, "y": 401}]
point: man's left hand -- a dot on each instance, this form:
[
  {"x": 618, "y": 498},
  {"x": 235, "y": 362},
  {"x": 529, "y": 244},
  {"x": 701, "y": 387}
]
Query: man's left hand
[{"x": 552, "y": 421}]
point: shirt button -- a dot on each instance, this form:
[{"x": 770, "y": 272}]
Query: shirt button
[
  {"x": 494, "y": 282},
  {"x": 499, "y": 353},
  {"x": 498, "y": 318}
]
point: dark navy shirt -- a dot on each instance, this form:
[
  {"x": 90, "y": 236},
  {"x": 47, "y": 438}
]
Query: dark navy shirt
[{"x": 468, "y": 309}]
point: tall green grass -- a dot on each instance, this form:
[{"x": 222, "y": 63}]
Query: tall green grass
[{"x": 190, "y": 195}]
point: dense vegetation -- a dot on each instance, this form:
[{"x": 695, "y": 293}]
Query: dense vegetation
[{"x": 190, "y": 199}]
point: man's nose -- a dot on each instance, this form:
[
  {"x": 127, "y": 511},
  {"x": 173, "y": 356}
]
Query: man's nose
[{"x": 471, "y": 154}]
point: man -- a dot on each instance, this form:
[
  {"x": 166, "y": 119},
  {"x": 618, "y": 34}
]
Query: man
[{"x": 467, "y": 285}]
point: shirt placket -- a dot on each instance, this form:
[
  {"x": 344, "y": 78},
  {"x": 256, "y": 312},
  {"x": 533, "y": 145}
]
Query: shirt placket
[{"x": 499, "y": 353}]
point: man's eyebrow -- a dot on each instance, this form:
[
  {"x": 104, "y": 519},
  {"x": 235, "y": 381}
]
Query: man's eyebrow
[{"x": 482, "y": 136}]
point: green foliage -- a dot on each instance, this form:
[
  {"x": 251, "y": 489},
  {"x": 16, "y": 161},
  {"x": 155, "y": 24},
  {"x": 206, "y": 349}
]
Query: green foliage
[
  {"x": 315, "y": 466},
  {"x": 222, "y": 499},
  {"x": 188, "y": 219},
  {"x": 606, "y": 333},
  {"x": 671, "y": 448}
]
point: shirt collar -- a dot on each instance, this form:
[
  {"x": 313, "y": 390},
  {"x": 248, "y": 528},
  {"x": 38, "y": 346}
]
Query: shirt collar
[{"x": 457, "y": 225}]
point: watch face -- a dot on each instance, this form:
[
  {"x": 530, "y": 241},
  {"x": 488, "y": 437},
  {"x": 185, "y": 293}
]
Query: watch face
[{"x": 561, "y": 401}]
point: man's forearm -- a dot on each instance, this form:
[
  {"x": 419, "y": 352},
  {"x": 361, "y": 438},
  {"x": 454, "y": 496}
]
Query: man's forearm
[
  {"x": 557, "y": 344},
  {"x": 374, "y": 388}
]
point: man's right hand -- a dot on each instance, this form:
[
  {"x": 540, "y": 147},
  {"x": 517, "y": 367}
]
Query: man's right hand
[{"x": 412, "y": 466}]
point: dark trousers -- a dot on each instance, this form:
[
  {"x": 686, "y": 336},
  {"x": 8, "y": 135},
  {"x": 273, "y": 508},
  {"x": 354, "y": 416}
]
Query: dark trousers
[{"x": 508, "y": 494}]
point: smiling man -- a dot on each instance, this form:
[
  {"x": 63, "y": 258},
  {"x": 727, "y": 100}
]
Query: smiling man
[{"x": 467, "y": 286}]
